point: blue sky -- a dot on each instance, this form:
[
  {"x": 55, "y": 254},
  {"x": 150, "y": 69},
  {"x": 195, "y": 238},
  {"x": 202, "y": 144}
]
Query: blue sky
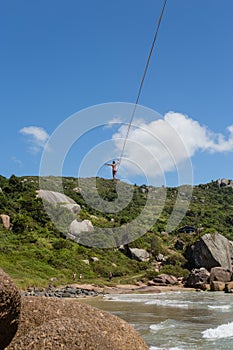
[{"x": 60, "y": 57}]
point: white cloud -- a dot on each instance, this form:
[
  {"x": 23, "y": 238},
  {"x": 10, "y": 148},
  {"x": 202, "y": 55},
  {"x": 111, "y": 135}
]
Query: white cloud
[
  {"x": 165, "y": 144},
  {"x": 199, "y": 137},
  {"x": 113, "y": 122},
  {"x": 37, "y": 137}
]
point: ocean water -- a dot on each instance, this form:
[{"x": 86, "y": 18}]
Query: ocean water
[{"x": 176, "y": 320}]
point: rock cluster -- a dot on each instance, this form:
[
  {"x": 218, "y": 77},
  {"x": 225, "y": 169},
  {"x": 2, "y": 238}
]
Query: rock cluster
[
  {"x": 64, "y": 292},
  {"x": 218, "y": 279}
]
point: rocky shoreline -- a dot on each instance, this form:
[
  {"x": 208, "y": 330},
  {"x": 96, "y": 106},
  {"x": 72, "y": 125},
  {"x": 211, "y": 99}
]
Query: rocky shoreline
[
  {"x": 90, "y": 290},
  {"x": 63, "y": 292}
]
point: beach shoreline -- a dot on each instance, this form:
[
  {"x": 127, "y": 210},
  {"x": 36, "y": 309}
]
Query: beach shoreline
[{"x": 131, "y": 288}]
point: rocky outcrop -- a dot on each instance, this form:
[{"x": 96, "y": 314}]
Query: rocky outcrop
[
  {"x": 61, "y": 324},
  {"x": 5, "y": 221},
  {"x": 198, "y": 278},
  {"x": 225, "y": 183},
  {"x": 10, "y": 302},
  {"x": 56, "y": 198},
  {"x": 209, "y": 251}
]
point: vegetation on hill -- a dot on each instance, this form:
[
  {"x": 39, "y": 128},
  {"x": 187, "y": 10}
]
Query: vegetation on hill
[{"x": 34, "y": 251}]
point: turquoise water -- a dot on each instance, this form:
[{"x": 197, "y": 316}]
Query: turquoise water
[{"x": 176, "y": 320}]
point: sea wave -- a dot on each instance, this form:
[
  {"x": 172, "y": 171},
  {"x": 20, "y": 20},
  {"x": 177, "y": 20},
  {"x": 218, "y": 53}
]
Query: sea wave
[
  {"x": 158, "y": 348},
  {"x": 170, "y": 303},
  {"x": 125, "y": 298},
  {"x": 162, "y": 325},
  {"x": 219, "y": 307},
  {"x": 222, "y": 331}
]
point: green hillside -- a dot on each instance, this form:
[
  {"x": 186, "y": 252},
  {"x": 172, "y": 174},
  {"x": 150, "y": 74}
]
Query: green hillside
[{"x": 34, "y": 251}]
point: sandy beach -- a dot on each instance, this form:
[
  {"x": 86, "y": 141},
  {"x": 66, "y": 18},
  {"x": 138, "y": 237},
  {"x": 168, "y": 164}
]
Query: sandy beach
[{"x": 131, "y": 288}]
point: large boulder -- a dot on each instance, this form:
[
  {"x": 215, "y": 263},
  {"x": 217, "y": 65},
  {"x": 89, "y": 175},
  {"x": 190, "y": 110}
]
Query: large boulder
[
  {"x": 139, "y": 254},
  {"x": 5, "y": 221},
  {"x": 164, "y": 279},
  {"x": 56, "y": 198},
  {"x": 220, "y": 274},
  {"x": 229, "y": 287},
  {"x": 209, "y": 251},
  {"x": 217, "y": 286},
  {"x": 76, "y": 227},
  {"x": 64, "y": 324},
  {"x": 198, "y": 278},
  {"x": 10, "y": 302}
]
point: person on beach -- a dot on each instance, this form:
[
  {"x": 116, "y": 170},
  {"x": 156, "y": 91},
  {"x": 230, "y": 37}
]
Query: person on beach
[{"x": 114, "y": 168}]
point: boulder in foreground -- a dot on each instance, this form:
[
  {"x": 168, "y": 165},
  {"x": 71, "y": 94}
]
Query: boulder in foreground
[
  {"x": 54, "y": 324},
  {"x": 9, "y": 309}
]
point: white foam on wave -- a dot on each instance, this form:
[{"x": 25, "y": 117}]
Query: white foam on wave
[
  {"x": 219, "y": 307},
  {"x": 170, "y": 303},
  {"x": 124, "y": 298},
  {"x": 158, "y": 348},
  {"x": 222, "y": 331},
  {"x": 162, "y": 325}
]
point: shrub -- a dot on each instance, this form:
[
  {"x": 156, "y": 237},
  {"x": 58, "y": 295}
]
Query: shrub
[{"x": 176, "y": 271}]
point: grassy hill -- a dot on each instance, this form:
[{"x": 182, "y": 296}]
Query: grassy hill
[{"x": 34, "y": 251}]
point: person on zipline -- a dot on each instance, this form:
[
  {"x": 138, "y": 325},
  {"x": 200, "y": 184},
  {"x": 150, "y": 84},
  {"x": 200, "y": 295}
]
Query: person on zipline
[{"x": 114, "y": 168}]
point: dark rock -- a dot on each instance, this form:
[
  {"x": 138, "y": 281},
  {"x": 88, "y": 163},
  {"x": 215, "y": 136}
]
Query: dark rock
[
  {"x": 64, "y": 292},
  {"x": 179, "y": 244},
  {"x": 10, "y": 302},
  {"x": 198, "y": 278},
  {"x": 209, "y": 251}
]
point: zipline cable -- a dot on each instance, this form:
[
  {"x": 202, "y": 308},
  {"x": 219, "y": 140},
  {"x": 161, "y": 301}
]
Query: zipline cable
[{"x": 142, "y": 81}]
